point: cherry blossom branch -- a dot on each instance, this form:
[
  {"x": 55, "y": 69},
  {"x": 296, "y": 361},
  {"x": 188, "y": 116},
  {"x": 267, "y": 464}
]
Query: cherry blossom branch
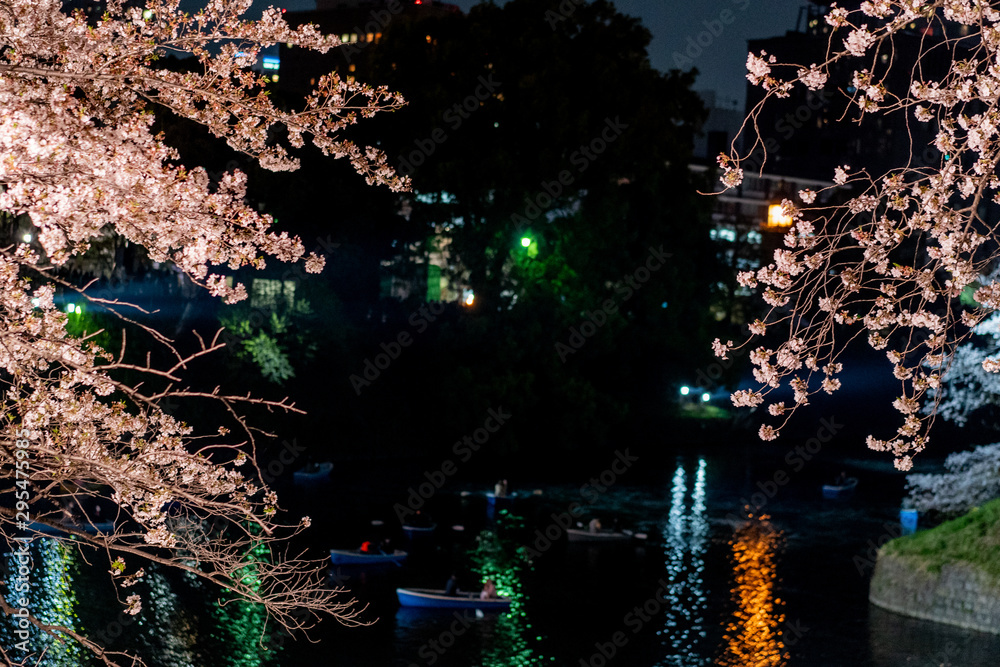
[{"x": 892, "y": 261}]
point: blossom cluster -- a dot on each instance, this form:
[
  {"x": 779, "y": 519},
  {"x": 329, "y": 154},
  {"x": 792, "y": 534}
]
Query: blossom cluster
[
  {"x": 892, "y": 261},
  {"x": 79, "y": 158},
  {"x": 79, "y": 155}
]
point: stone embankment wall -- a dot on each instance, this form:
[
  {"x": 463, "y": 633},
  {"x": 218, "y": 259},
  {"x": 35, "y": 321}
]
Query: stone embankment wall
[{"x": 959, "y": 594}]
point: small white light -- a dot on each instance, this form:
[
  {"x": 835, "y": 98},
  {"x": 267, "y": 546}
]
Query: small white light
[
  {"x": 27, "y": 238},
  {"x": 685, "y": 390},
  {"x": 79, "y": 310},
  {"x": 70, "y": 307},
  {"x": 706, "y": 397}
]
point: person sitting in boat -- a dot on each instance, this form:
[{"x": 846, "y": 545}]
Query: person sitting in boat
[
  {"x": 367, "y": 547},
  {"x": 451, "y": 588},
  {"x": 594, "y": 525},
  {"x": 385, "y": 546},
  {"x": 841, "y": 479},
  {"x": 489, "y": 591}
]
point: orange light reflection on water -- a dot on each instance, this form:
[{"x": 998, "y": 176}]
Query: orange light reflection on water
[{"x": 753, "y": 636}]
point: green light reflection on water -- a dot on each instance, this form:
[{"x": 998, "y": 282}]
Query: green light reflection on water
[
  {"x": 165, "y": 633},
  {"x": 498, "y": 556},
  {"x": 242, "y": 625}
]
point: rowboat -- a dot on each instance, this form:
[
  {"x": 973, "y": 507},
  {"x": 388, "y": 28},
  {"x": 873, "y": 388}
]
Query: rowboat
[
  {"x": 432, "y": 598},
  {"x": 416, "y": 532},
  {"x": 604, "y": 536},
  {"x": 495, "y": 503},
  {"x": 313, "y": 473},
  {"x": 357, "y": 557},
  {"x": 493, "y": 500},
  {"x": 840, "y": 491}
]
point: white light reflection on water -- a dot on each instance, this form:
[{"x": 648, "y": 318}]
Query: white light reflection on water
[
  {"x": 685, "y": 537},
  {"x": 166, "y": 627}
]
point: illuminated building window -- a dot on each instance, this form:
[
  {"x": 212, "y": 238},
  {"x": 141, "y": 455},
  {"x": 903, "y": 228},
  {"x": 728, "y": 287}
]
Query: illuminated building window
[
  {"x": 351, "y": 67},
  {"x": 428, "y": 38},
  {"x": 370, "y": 37},
  {"x": 354, "y": 37},
  {"x": 345, "y": 37},
  {"x": 723, "y": 234},
  {"x": 776, "y": 217},
  {"x": 272, "y": 294},
  {"x": 378, "y": 37},
  {"x": 271, "y": 63}
]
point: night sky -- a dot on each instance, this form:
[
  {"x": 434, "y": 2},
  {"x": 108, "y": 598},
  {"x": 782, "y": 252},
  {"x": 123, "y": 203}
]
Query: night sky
[{"x": 673, "y": 22}]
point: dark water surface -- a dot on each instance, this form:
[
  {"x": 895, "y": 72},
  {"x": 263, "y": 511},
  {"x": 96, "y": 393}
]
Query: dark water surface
[{"x": 705, "y": 587}]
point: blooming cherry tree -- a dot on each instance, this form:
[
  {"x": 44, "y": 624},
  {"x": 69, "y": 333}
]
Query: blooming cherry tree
[
  {"x": 891, "y": 262},
  {"x": 971, "y": 479},
  {"x": 967, "y": 385},
  {"x": 78, "y": 157}
]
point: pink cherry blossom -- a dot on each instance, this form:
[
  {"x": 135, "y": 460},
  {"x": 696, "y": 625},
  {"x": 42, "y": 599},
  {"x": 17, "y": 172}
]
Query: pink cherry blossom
[
  {"x": 892, "y": 263},
  {"x": 79, "y": 158}
]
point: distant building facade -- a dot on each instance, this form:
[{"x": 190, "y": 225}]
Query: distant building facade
[
  {"x": 359, "y": 24},
  {"x": 810, "y": 133},
  {"x": 425, "y": 270},
  {"x": 720, "y": 129}
]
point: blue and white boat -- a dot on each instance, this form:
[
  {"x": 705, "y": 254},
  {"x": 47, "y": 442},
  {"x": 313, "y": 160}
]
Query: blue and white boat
[
  {"x": 840, "y": 491},
  {"x": 417, "y": 532},
  {"x": 495, "y": 503},
  {"x": 431, "y": 598},
  {"x": 313, "y": 473},
  {"x": 493, "y": 500},
  {"x": 357, "y": 557}
]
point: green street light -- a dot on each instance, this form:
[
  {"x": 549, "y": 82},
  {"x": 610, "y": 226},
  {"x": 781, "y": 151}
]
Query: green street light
[{"x": 525, "y": 241}]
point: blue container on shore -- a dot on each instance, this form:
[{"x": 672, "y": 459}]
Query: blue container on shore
[{"x": 908, "y": 521}]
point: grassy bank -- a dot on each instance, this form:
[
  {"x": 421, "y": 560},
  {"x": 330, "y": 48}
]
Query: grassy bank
[{"x": 973, "y": 538}]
